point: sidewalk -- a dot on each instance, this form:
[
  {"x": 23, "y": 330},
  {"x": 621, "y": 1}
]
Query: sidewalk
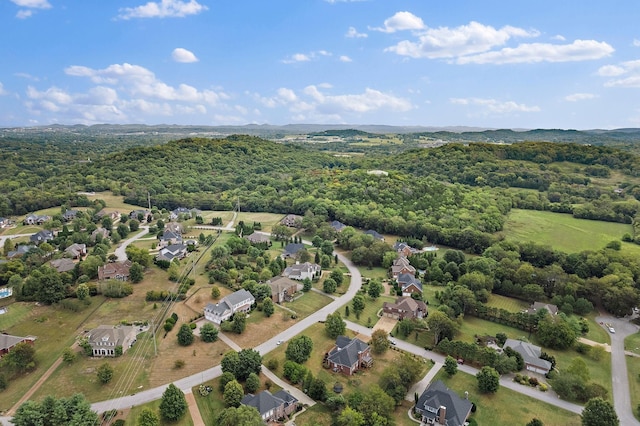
[
  {"x": 420, "y": 386},
  {"x": 193, "y": 409}
]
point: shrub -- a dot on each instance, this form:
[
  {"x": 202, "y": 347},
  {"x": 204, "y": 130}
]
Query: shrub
[
  {"x": 273, "y": 364},
  {"x": 533, "y": 381},
  {"x": 178, "y": 364}
]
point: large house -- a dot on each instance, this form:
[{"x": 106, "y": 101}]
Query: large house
[
  {"x": 34, "y": 219},
  {"x": 174, "y": 227},
  {"x": 140, "y": 215},
  {"x": 401, "y": 266},
  {"x": 405, "y": 308},
  {"x": 183, "y": 211},
  {"x": 21, "y": 250},
  {"x": 41, "y": 237},
  {"x": 409, "y": 284},
  {"x": 4, "y": 222},
  {"x": 292, "y": 220},
  {"x": 282, "y": 289},
  {"x": 76, "y": 251},
  {"x": 69, "y": 215},
  {"x": 337, "y": 226},
  {"x": 256, "y": 238},
  {"x": 240, "y": 301},
  {"x": 404, "y": 249},
  {"x": 536, "y": 306},
  {"x": 439, "y": 405},
  {"x": 300, "y": 271},
  {"x": 292, "y": 249},
  {"x": 106, "y": 338},
  {"x": 169, "y": 237},
  {"x": 115, "y": 271},
  {"x": 348, "y": 356},
  {"x": 530, "y": 355},
  {"x": 174, "y": 251},
  {"x": 103, "y": 232},
  {"x": 7, "y": 342},
  {"x": 272, "y": 407},
  {"x": 63, "y": 265}
]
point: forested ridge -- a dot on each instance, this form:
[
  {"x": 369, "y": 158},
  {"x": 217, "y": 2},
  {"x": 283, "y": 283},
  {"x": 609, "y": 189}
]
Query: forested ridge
[{"x": 456, "y": 194}]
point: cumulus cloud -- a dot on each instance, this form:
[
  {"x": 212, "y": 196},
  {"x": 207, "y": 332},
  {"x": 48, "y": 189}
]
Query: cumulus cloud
[
  {"x": 183, "y": 55},
  {"x": 445, "y": 42},
  {"x": 345, "y": 58},
  {"x": 353, "y": 33},
  {"x": 576, "y": 97},
  {"x": 315, "y": 103},
  {"x": 30, "y": 5},
  {"x": 493, "y": 106},
  {"x": 163, "y": 9},
  {"x": 305, "y": 57},
  {"x": 401, "y": 21},
  {"x": 625, "y": 74},
  {"x": 579, "y": 50}
]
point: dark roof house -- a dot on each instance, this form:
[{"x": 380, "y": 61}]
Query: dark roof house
[
  {"x": 349, "y": 355},
  {"x": 440, "y": 405},
  {"x": 530, "y": 355},
  {"x": 272, "y": 407},
  {"x": 337, "y": 226},
  {"x": 374, "y": 234},
  {"x": 536, "y": 306},
  {"x": 409, "y": 284},
  {"x": 292, "y": 249},
  {"x": 405, "y": 307},
  {"x": 41, "y": 237}
]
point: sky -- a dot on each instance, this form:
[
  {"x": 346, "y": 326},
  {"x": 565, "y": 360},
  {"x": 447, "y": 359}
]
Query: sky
[{"x": 495, "y": 64}]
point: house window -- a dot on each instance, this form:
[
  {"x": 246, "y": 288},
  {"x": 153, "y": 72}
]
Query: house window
[{"x": 432, "y": 410}]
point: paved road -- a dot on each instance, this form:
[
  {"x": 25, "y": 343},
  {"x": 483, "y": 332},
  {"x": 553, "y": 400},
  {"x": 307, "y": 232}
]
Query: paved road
[
  {"x": 619, "y": 377},
  {"x": 121, "y": 249},
  {"x": 5, "y": 237}
]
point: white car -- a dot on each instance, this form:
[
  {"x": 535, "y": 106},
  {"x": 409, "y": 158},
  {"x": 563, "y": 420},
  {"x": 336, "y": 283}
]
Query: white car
[
  {"x": 279, "y": 342},
  {"x": 612, "y": 330}
]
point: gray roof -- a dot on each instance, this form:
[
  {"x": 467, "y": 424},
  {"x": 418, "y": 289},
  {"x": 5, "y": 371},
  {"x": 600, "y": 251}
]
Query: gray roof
[
  {"x": 301, "y": 267},
  {"x": 7, "y": 341},
  {"x": 293, "y": 248},
  {"x": 42, "y": 236},
  {"x": 438, "y": 395},
  {"x": 346, "y": 351},
  {"x": 170, "y": 235},
  {"x": 116, "y": 334},
  {"x": 239, "y": 296},
  {"x": 63, "y": 265},
  {"x": 338, "y": 226},
  {"x": 551, "y": 308},
  {"x": 265, "y": 401},
  {"x": 405, "y": 280},
  {"x": 530, "y": 353},
  {"x": 374, "y": 234}
]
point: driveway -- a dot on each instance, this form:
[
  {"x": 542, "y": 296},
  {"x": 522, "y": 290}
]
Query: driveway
[{"x": 121, "y": 249}]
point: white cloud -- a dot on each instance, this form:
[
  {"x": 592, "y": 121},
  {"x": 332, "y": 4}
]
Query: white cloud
[
  {"x": 575, "y": 97},
  {"x": 558, "y": 37},
  {"x": 445, "y": 42},
  {"x": 33, "y": 4},
  {"x": 2, "y": 91},
  {"x": 628, "y": 73},
  {"x": 636, "y": 42},
  {"x": 493, "y": 106},
  {"x": 163, "y": 9},
  {"x": 345, "y": 58},
  {"x": 183, "y": 55},
  {"x": 401, "y": 21},
  {"x": 353, "y": 33},
  {"x": 579, "y": 50},
  {"x": 306, "y": 57},
  {"x": 24, "y": 14}
]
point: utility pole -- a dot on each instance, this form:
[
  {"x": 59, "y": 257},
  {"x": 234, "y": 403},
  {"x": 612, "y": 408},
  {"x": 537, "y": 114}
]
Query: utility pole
[
  {"x": 155, "y": 346},
  {"x": 149, "y": 198}
]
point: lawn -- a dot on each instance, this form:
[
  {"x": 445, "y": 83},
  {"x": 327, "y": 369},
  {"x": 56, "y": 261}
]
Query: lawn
[
  {"x": 114, "y": 202},
  {"x": 308, "y": 303},
  {"x": 472, "y": 326},
  {"x": 319, "y": 414},
  {"x": 507, "y": 303},
  {"x": 132, "y": 416},
  {"x": 633, "y": 369},
  {"x": 596, "y": 333},
  {"x": 632, "y": 343},
  {"x": 267, "y": 220},
  {"x": 506, "y": 407},
  {"x": 369, "y": 315},
  {"x": 16, "y": 312},
  {"x": 20, "y": 229},
  {"x": 565, "y": 233}
]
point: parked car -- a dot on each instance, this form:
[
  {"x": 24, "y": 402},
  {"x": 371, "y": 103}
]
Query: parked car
[{"x": 612, "y": 330}]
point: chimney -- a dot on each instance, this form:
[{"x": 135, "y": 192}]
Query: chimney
[{"x": 442, "y": 415}]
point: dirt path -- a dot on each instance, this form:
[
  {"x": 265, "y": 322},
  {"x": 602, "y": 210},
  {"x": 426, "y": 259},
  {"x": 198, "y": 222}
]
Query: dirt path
[{"x": 193, "y": 409}]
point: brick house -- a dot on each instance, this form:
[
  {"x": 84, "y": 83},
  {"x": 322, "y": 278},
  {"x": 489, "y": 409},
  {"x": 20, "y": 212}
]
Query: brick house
[
  {"x": 282, "y": 289},
  {"x": 272, "y": 407},
  {"x": 409, "y": 284},
  {"x": 8, "y": 341},
  {"x": 115, "y": 271},
  {"x": 405, "y": 307},
  {"x": 348, "y": 356}
]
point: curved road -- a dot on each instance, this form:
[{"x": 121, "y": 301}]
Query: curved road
[{"x": 121, "y": 249}]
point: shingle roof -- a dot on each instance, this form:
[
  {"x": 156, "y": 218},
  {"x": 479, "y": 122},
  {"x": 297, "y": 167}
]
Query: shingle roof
[
  {"x": 7, "y": 341},
  {"x": 405, "y": 280},
  {"x": 437, "y": 395},
  {"x": 293, "y": 248},
  {"x": 346, "y": 351},
  {"x": 265, "y": 401},
  {"x": 239, "y": 296},
  {"x": 374, "y": 234},
  {"x": 530, "y": 353}
]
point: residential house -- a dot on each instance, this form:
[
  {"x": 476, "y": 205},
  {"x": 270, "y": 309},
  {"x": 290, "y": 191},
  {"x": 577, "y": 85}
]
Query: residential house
[
  {"x": 41, "y": 237},
  {"x": 272, "y": 407},
  {"x": 531, "y": 356},
  {"x": 348, "y": 356},
  {"x": 282, "y": 289},
  {"x": 69, "y": 215},
  {"x": 140, "y": 215},
  {"x": 292, "y": 220},
  {"x": 404, "y": 249},
  {"x": 77, "y": 251},
  {"x": 300, "y": 271},
  {"x": 8, "y": 341},
  {"x": 63, "y": 265},
  {"x": 256, "y": 238},
  {"x": 174, "y": 227},
  {"x": 106, "y": 338},
  {"x": 115, "y": 271},
  {"x": 114, "y": 216},
  {"x": 337, "y": 226},
  {"x": 409, "y": 284},
  {"x": 169, "y": 237},
  {"x": 292, "y": 249},
  {"x": 536, "y": 306},
  {"x": 405, "y": 308},
  {"x": 438, "y": 405},
  {"x": 4, "y": 222},
  {"x": 189, "y": 213},
  {"x": 34, "y": 219},
  {"x": 103, "y": 232},
  {"x": 173, "y": 251},
  {"x": 401, "y": 266},
  {"x": 239, "y": 301},
  {"x": 374, "y": 234},
  {"x": 19, "y": 251}
]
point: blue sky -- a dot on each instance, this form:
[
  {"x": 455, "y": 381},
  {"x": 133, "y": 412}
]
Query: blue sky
[{"x": 503, "y": 64}]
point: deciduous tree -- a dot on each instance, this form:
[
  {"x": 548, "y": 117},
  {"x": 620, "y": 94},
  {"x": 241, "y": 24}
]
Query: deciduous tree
[
  {"x": 105, "y": 373},
  {"x": 334, "y": 325},
  {"x": 299, "y": 349},
  {"x": 598, "y": 412},
  {"x": 185, "y": 335},
  {"x": 233, "y": 394},
  {"x": 379, "y": 341},
  {"x": 173, "y": 404},
  {"x": 488, "y": 380}
]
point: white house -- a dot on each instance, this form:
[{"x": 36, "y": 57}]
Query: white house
[
  {"x": 300, "y": 271},
  {"x": 240, "y": 301}
]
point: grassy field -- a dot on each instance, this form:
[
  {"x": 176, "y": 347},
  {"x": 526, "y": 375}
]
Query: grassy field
[
  {"x": 506, "y": 407},
  {"x": 507, "y": 303},
  {"x": 16, "y": 312},
  {"x": 132, "y": 416},
  {"x": 633, "y": 369},
  {"x": 563, "y": 232},
  {"x": 308, "y": 303},
  {"x": 596, "y": 333},
  {"x": 114, "y": 202},
  {"x": 472, "y": 326},
  {"x": 371, "y": 309}
]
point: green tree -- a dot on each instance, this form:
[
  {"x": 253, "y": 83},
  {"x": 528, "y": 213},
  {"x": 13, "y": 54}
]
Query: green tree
[
  {"x": 250, "y": 361},
  {"x": 329, "y": 285},
  {"x": 450, "y": 365},
  {"x": 379, "y": 341},
  {"x": 68, "y": 355},
  {"x": 136, "y": 272},
  {"x": 148, "y": 417},
  {"x": 51, "y": 288},
  {"x": 598, "y": 412},
  {"x": 555, "y": 332},
  {"x": 72, "y": 411},
  {"x": 138, "y": 255},
  {"x": 441, "y": 325},
  {"x": 241, "y": 416},
  {"x": 82, "y": 291},
  {"x": 358, "y": 305},
  {"x": 233, "y": 394},
  {"x": 224, "y": 379},
  {"x": 215, "y": 292},
  {"x": 350, "y": 417},
  {"x": 252, "y": 383},
  {"x": 578, "y": 368},
  {"x": 173, "y": 404},
  {"x": 299, "y": 349},
  {"x": 306, "y": 285},
  {"x": 335, "y": 325},
  {"x": 185, "y": 335},
  {"x": 208, "y": 333},
  {"x": 268, "y": 307},
  {"x": 239, "y": 322},
  {"x": 8, "y": 246},
  {"x": 375, "y": 404},
  {"x": 535, "y": 422},
  {"x": 375, "y": 289},
  {"x": 230, "y": 363},
  {"x": 318, "y": 389},
  {"x": 105, "y": 373},
  {"x": 488, "y": 380},
  {"x": 21, "y": 358}
]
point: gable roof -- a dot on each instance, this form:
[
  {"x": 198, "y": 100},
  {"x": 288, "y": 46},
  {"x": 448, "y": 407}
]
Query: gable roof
[
  {"x": 438, "y": 395},
  {"x": 299, "y": 268},
  {"x": 406, "y": 303},
  {"x": 337, "y": 225},
  {"x": 114, "y": 269},
  {"x": 536, "y": 306},
  {"x": 239, "y": 297},
  {"x": 170, "y": 235},
  {"x": 374, "y": 234},
  {"x": 265, "y": 401},
  {"x": 406, "y": 280},
  {"x": 116, "y": 334},
  {"x": 530, "y": 353},
  {"x": 63, "y": 265},
  {"x": 42, "y": 236},
  {"x": 256, "y": 238},
  {"x": 281, "y": 283},
  {"x": 293, "y": 248},
  {"x": 8, "y": 341},
  {"x": 76, "y": 249},
  {"x": 346, "y": 351}
]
